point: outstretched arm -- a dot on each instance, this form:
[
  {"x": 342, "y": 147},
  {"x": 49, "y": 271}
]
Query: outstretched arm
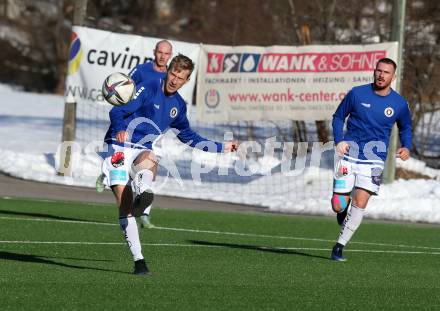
[{"x": 188, "y": 136}]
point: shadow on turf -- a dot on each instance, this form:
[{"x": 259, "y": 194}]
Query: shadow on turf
[
  {"x": 79, "y": 259},
  {"x": 48, "y": 216},
  {"x": 257, "y": 248},
  {"x": 42, "y": 260}
]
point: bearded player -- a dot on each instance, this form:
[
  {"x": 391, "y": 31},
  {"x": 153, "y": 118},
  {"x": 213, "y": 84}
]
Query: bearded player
[{"x": 370, "y": 112}]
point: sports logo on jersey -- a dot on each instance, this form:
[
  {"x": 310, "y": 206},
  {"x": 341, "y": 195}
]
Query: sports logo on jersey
[
  {"x": 212, "y": 98},
  {"x": 138, "y": 92},
  {"x": 156, "y": 106},
  {"x": 75, "y": 53},
  {"x": 366, "y": 105},
  {"x": 117, "y": 159},
  {"x": 389, "y": 112},
  {"x": 173, "y": 112}
]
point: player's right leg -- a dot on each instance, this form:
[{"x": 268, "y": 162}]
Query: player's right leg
[
  {"x": 343, "y": 183},
  {"x": 127, "y": 222},
  {"x": 340, "y": 205},
  {"x": 116, "y": 168},
  {"x": 367, "y": 183}
]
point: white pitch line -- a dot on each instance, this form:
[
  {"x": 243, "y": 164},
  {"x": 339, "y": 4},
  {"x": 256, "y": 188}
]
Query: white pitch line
[
  {"x": 220, "y": 232},
  {"x": 292, "y": 238},
  {"x": 269, "y": 248},
  {"x": 62, "y": 242},
  {"x": 106, "y": 243},
  {"x": 351, "y": 250},
  {"x": 60, "y": 220}
]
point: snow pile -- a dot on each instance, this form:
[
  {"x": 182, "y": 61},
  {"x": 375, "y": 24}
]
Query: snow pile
[{"x": 31, "y": 128}]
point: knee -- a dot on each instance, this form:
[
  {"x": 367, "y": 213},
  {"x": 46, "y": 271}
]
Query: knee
[
  {"x": 147, "y": 156},
  {"x": 361, "y": 198},
  {"x": 145, "y": 160},
  {"x": 360, "y": 203},
  {"x": 340, "y": 201}
]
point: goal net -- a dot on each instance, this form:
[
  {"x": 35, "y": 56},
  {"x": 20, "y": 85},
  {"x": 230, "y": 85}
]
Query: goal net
[{"x": 280, "y": 165}]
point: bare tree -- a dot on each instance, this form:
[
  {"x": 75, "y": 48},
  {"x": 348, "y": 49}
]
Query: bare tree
[
  {"x": 421, "y": 74},
  {"x": 35, "y": 42}
]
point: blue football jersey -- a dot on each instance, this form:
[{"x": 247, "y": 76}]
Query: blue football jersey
[
  {"x": 370, "y": 120},
  {"x": 145, "y": 72},
  {"x": 150, "y": 114}
]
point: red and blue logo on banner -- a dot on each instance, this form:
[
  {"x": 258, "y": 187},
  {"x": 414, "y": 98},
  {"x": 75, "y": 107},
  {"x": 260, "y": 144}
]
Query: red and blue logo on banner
[{"x": 75, "y": 53}]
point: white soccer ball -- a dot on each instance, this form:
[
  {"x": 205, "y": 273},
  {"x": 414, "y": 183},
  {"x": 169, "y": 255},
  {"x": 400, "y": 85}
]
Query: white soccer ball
[{"x": 118, "y": 89}]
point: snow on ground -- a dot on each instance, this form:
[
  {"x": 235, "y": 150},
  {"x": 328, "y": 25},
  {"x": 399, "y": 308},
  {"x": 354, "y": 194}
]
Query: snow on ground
[
  {"x": 418, "y": 166},
  {"x": 30, "y": 125}
]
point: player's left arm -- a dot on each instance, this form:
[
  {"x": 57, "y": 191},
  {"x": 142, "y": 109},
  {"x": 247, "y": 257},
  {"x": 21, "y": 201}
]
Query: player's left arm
[
  {"x": 405, "y": 133},
  {"x": 188, "y": 136}
]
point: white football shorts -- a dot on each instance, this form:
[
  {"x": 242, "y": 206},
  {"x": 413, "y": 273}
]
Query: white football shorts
[
  {"x": 117, "y": 164},
  {"x": 351, "y": 172}
]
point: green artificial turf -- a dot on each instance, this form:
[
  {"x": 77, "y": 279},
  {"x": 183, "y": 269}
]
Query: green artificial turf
[{"x": 70, "y": 256}]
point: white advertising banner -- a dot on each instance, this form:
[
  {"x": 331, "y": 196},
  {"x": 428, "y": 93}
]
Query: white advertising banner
[
  {"x": 94, "y": 54},
  {"x": 250, "y": 83}
]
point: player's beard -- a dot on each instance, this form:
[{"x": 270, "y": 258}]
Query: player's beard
[{"x": 381, "y": 87}]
